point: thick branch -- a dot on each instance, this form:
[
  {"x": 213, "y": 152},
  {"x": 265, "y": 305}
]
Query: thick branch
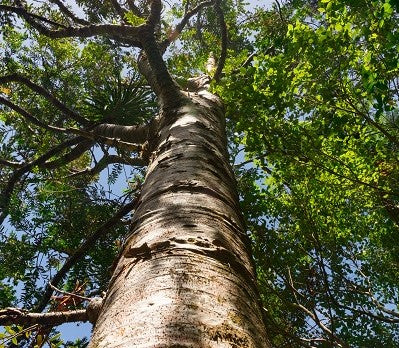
[
  {"x": 223, "y": 29},
  {"x": 155, "y": 15},
  {"x": 115, "y": 142},
  {"x": 15, "y": 316},
  {"x": 130, "y": 134},
  {"x": 75, "y": 153},
  {"x": 40, "y": 90},
  {"x": 119, "y": 32},
  {"x": 82, "y": 250}
]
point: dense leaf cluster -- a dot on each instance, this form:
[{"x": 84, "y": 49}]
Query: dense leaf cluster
[{"x": 317, "y": 113}]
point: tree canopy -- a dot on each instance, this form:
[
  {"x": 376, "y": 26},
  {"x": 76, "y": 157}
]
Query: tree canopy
[{"x": 311, "y": 94}]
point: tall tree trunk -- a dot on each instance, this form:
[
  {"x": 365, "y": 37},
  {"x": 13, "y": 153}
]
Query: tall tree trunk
[{"x": 185, "y": 277}]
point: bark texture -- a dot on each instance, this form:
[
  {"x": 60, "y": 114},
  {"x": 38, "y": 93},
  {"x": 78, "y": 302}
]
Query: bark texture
[{"x": 185, "y": 277}]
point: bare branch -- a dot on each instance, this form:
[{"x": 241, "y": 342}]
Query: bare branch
[
  {"x": 42, "y": 91},
  {"x": 179, "y": 27},
  {"x": 65, "y": 10},
  {"x": 82, "y": 250},
  {"x": 223, "y": 29},
  {"x": 84, "y": 298},
  {"x": 72, "y": 155},
  {"x": 15, "y": 316},
  {"x": 317, "y": 320},
  {"x": 11, "y": 164},
  {"x": 116, "y": 142}
]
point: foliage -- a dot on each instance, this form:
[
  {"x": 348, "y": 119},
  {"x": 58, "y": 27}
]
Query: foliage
[{"x": 317, "y": 112}]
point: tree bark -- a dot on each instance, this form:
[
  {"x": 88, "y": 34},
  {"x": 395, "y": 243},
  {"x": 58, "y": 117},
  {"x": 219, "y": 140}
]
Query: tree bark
[{"x": 185, "y": 277}]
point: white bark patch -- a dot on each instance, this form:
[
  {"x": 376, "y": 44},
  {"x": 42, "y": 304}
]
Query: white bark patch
[
  {"x": 184, "y": 121},
  {"x": 159, "y": 299}
]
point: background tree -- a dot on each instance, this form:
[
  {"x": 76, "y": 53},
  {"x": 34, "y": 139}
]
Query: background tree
[{"x": 316, "y": 113}]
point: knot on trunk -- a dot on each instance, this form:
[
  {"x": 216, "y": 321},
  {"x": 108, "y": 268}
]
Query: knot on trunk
[{"x": 93, "y": 309}]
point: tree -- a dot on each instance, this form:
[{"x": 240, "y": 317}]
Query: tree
[
  {"x": 184, "y": 275},
  {"x": 317, "y": 115},
  {"x": 311, "y": 98}
]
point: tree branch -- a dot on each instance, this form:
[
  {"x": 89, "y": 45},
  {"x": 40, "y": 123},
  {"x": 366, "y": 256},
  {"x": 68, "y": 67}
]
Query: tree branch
[
  {"x": 15, "y": 316},
  {"x": 223, "y": 29},
  {"x": 75, "y": 153},
  {"x": 134, "y": 8},
  {"x": 65, "y": 10},
  {"x": 29, "y": 117},
  {"x": 179, "y": 27},
  {"x": 6, "y": 194},
  {"x": 81, "y": 251},
  {"x": 23, "y": 12},
  {"x": 116, "y": 142},
  {"x": 105, "y": 161},
  {"x": 119, "y": 10},
  {"x": 40, "y": 90},
  {"x": 119, "y": 32},
  {"x": 131, "y": 134},
  {"x": 11, "y": 164}
]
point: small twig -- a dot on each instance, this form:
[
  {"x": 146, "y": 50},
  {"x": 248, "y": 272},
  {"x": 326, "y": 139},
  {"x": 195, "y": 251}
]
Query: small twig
[
  {"x": 84, "y": 298},
  {"x": 65, "y": 10}
]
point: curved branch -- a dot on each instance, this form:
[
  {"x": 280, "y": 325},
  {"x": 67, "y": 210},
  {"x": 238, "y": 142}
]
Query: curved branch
[
  {"x": 43, "y": 92},
  {"x": 75, "y": 153},
  {"x": 65, "y": 10},
  {"x": 105, "y": 161},
  {"x": 5, "y": 196},
  {"x": 82, "y": 250},
  {"x": 223, "y": 29},
  {"x": 29, "y": 117},
  {"x": 16, "y": 316},
  {"x": 127, "y": 33},
  {"x": 23, "y": 12},
  {"x": 179, "y": 27}
]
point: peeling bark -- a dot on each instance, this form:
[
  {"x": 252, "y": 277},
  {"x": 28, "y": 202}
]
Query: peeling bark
[{"x": 185, "y": 277}]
